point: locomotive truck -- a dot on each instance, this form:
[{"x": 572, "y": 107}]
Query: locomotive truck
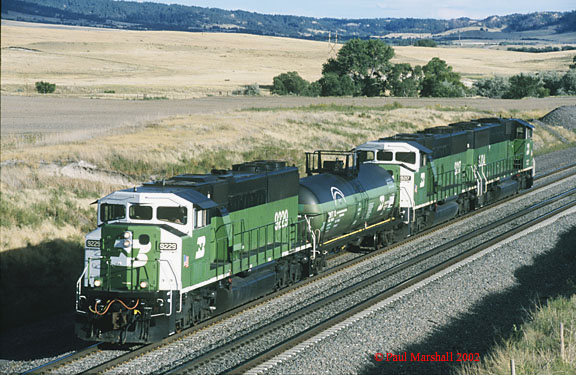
[{"x": 171, "y": 253}]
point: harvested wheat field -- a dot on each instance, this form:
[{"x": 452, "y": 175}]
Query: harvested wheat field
[
  {"x": 483, "y": 62},
  {"x": 165, "y": 64},
  {"x": 175, "y": 64}
]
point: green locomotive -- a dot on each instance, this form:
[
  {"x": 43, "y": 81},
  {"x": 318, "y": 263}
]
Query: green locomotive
[
  {"x": 174, "y": 252},
  {"x": 447, "y": 171}
]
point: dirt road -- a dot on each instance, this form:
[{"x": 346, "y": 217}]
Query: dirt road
[{"x": 45, "y": 114}]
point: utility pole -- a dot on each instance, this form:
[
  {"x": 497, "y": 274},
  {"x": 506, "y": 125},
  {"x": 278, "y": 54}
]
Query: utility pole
[{"x": 331, "y": 45}]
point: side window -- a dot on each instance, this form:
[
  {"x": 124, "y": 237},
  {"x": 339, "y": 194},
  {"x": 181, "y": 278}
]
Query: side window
[
  {"x": 200, "y": 219},
  {"x": 140, "y": 212},
  {"x": 109, "y": 212},
  {"x": 520, "y": 132},
  {"x": 177, "y": 215},
  {"x": 385, "y": 155},
  {"x": 363, "y": 156}
]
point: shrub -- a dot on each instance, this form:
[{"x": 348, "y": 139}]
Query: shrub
[
  {"x": 365, "y": 62},
  {"x": 440, "y": 81},
  {"x": 552, "y": 81},
  {"x": 45, "y": 87},
  {"x": 523, "y": 85},
  {"x": 334, "y": 85},
  {"x": 491, "y": 87},
  {"x": 252, "y": 90},
  {"x": 289, "y": 83},
  {"x": 426, "y": 43},
  {"x": 313, "y": 89},
  {"x": 568, "y": 83},
  {"x": 404, "y": 80}
]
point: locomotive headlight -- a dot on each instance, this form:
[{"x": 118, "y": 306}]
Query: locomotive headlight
[
  {"x": 127, "y": 243},
  {"x": 127, "y": 235},
  {"x": 97, "y": 283},
  {"x": 143, "y": 284}
]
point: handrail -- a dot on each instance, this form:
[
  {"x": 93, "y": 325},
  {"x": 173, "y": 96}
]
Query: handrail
[
  {"x": 176, "y": 281},
  {"x": 79, "y": 285}
]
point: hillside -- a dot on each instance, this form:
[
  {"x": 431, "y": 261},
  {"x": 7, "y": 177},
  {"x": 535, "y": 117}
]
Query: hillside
[
  {"x": 126, "y": 64},
  {"x": 153, "y": 16}
]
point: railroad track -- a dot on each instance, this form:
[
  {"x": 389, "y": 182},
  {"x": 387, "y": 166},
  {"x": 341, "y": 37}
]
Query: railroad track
[
  {"x": 108, "y": 364},
  {"x": 59, "y": 362},
  {"x": 368, "y": 292}
]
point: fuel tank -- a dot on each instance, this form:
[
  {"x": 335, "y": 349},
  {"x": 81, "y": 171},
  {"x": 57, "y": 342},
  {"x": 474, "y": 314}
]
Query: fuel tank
[{"x": 340, "y": 203}]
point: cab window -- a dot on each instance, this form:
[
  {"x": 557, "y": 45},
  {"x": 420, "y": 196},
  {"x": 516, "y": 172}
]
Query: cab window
[
  {"x": 520, "y": 132},
  {"x": 200, "y": 218},
  {"x": 109, "y": 212},
  {"x": 177, "y": 215},
  {"x": 385, "y": 156},
  {"x": 406, "y": 157},
  {"x": 363, "y": 156},
  {"x": 140, "y": 212}
]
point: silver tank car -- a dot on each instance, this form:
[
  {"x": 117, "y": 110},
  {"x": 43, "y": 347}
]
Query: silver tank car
[{"x": 341, "y": 199}]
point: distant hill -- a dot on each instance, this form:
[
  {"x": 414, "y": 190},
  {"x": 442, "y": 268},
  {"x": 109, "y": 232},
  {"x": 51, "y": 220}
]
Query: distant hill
[{"x": 153, "y": 16}]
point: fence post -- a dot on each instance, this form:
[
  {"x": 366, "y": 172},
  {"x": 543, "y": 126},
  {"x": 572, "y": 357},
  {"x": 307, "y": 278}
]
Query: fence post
[
  {"x": 512, "y": 367},
  {"x": 562, "y": 341}
]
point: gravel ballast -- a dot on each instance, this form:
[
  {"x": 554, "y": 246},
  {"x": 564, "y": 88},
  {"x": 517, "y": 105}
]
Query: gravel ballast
[
  {"x": 463, "y": 312},
  {"x": 564, "y": 116}
]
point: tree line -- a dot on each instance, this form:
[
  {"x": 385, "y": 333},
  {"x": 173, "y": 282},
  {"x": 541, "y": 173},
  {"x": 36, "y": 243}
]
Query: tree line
[
  {"x": 363, "y": 68},
  {"x": 155, "y": 16}
]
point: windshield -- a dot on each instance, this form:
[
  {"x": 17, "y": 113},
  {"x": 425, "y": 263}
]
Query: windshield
[
  {"x": 111, "y": 212},
  {"x": 140, "y": 212}
]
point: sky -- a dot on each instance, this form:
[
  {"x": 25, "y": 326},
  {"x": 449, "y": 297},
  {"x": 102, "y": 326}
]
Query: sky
[{"x": 439, "y": 9}]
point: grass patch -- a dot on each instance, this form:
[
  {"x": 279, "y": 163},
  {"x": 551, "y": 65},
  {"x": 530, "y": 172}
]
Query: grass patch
[
  {"x": 535, "y": 347},
  {"x": 13, "y": 215},
  {"x": 278, "y": 151},
  {"x": 329, "y": 108},
  {"x": 556, "y": 147},
  {"x": 57, "y": 209},
  {"x": 131, "y": 166},
  {"x": 442, "y": 108},
  {"x": 12, "y": 141}
]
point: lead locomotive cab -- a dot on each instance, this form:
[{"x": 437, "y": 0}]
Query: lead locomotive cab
[
  {"x": 174, "y": 252},
  {"x": 130, "y": 285}
]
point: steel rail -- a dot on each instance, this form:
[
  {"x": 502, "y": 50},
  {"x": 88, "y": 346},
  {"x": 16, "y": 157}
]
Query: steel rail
[
  {"x": 63, "y": 361},
  {"x": 226, "y": 315},
  {"x": 238, "y": 344}
]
